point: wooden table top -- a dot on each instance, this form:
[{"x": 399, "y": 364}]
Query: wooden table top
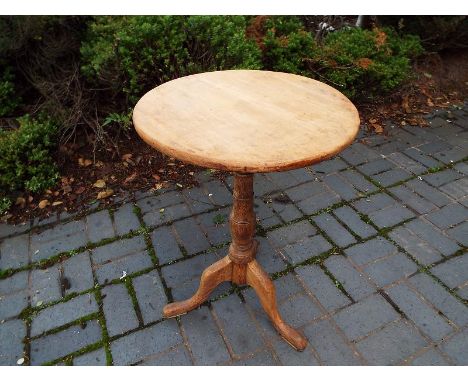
[{"x": 246, "y": 120}]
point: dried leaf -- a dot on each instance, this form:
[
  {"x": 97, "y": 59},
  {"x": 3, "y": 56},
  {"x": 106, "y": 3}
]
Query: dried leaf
[
  {"x": 405, "y": 105},
  {"x": 126, "y": 157},
  {"x": 84, "y": 162},
  {"x": 156, "y": 177},
  {"x": 429, "y": 102},
  {"x": 30, "y": 198},
  {"x": 99, "y": 164},
  {"x": 57, "y": 203},
  {"x": 100, "y": 183},
  {"x": 104, "y": 194},
  {"x": 66, "y": 189},
  {"x": 130, "y": 178},
  {"x": 43, "y": 204},
  {"x": 80, "y": 190},
  {"x": 20, "y": 201}
]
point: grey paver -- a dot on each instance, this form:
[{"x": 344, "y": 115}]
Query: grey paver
[
  {"x": 94, "y": 358},
  {"x": 118, "y": 309},
  {"x": 191, "y": 236},
  {"x": 45, "y": 285},
  {"x": 390, "y": 177},
  {"x": 63, "y": 313},
  {"x": 165, "y": 245},
  {"x": 125, "y": 219},
  {"x": 177, "y": 356},
  {"x": 204, "y": 338},
  {"x": 12, "y": 304},
  {"x": 429, "y": 358},
  {"x": 125, "y": 265},
  {"x": 426, "y": 318},
  {"x": 293, "y": 358},
  {"x": 238, "y": 327},
  {"x": 322, "y": 287},
  {"x": 440, "y": 178},
  {"x": 58, "y": 345},
  {"x": 412, "y": 199},
  {"x": 329, "y": 166},
  {"x": 99, "y": 226},
  {"x": 14, "y": 252},
  {"x": 432, "y": 194},
  {"x": 216, "y": 226},
  {"x": 459, "y": 233},
  {"x": 370, "y": 250},
  {"x": 350, "y": 218},
  {"x": 354, "y": 282},
  {"x": 390, "y": 216},
  {"x": 391, "y": 345},
  {"x": 374, "y": 203},
  {"x": 15, "y": 283},
  {"x": 330, "y": 346},
  {"x": 78, "y": 273},
  {"x": 269, "y": 258},
  {"x": 390, "y": 269},
  {"x": 118, "y": 249},
  {"x": 334, "y": 230},
  {"x": 407, "y": 163},
  {"x": 306, "y": 249},
  {"x": 262, "y": 358},
  {"x": 286, "y": 210},
  {"x": 448, "y": 216},
  {"x": 365, "y": 316},
  {"x": 134, "y": 347},
  {"x": 457, "y": 348},
  {"x": 291, "y": 234},
  {"x": 453, "y": 272},
  {"x": 442, "y": 300},
  {"x": 150, "y": 295},
  {"x": 456, "y": 189},
  {"x": 376, "y": 167},
  {"x": 11, "y": 341}
]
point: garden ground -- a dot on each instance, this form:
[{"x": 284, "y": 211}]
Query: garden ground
[{"x": 367, "y": 251}]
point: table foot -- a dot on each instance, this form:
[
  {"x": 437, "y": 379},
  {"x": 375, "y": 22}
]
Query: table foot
[
  {"x": 211, "y": 277},
  {"x": 259, "y": 280}
]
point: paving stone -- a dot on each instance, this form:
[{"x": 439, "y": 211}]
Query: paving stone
[
  {"x": 353, "y": 281},
  {"x": 163, "y": 208},
  {"x": 237, "y": 325},
  {"x": 429, "y": 193},
  {"x": 262, "y": 358},
  {"x": 319, "y": 202},
  {"x": 61, "y": 238},
  {"x": 77, "y": 270},
  {"x": 459, "y": 233},
  {"x": 58, "y": 345},
  {"x": 390, "y": 177},
  {"x": 134, "y": 347},
  {"x": 374, "y": 203},
  {"x": 283, "y": 206},
  {"x": 334, "y": 230},
  {"x": 45, "y": 285},
  {"x": 432, "y": 236},
  {"x": 312, "y": 196},
  {"x": 63, "y": 313},
  {"x": 165, "y": 245},
  {"x": 12, "y": 304},
  {"x": 434, "y": 147},
  {"x": 462, "y": 167},
  {"x": 391, "y": 345},
  {"x": 12, "y": 334},
  {"x": 322, "y": 287},
  {"x": 290, "y": 234},
  {"x": 390, "y": 269},
  {"x": 457, "y": 348},
  {"x": 125, "y": 219},
  {"x": 390, "y": 216},
  {"x": 218, "y": 193},
  {"x": 118, "y": 309},
  {"x": 422, "y": 158},
  {"x": 457, "y": 189},
  {"x": 284, "y": 179},
  {"x": 14, "y": 252},
  {"x": 413, "y": 200},
  {"x": 263, "y": 185},
  {"x": 448, "y": 216},
  {"x": 150, "y": 295},
  {"x": 329, "y": 166},
  {"x": 15, "y": 283},
  {"x": 330, "y": 346},
  {"x": 293, "y": 358},
  {"x": 265, "y": 214},
  {"x": 351, "y": 219},
  {"x": 376, "y": 166},
  {"x": 99, "y": 226},
  {"x": 440, "y": 298},
  {"x": 198, "y": 200},
  {"x": 425, "y": 318},
  {"x": 177, "y": 356},
  {"x": 407, "y": 163},
  {"x": 216, "y": 226},
  {"x": 358, "y": 154},
  {"x": 94, "y": 358},
  {"x": 451, "y": 155},
  {"x": 440, "y": 178},
  {"x": 370, "y": 250},
  {"x": 453, "y": 272},
  {"x": 205, "y": 341},
  {"x": 305, "y": 249},
  {"x": 415, "y": 246},
  {"x": 13, "y": 229},
  {"x": 430, "y": 358},
  {"x": 115, "y": 269},
  {"x": 360, "y": 319},
  {"x": 191, "y": 236},
  {"x": 270, "y": 259},
  {"x": 155, "y": 203},
  {"x": 340, "y": 186}
]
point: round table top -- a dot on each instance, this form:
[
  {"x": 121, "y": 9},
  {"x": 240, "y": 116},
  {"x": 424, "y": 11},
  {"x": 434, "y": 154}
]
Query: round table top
[{"x": 246, "y": 120}]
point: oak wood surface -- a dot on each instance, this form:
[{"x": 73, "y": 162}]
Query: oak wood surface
[{"x": 246, "y": 120}]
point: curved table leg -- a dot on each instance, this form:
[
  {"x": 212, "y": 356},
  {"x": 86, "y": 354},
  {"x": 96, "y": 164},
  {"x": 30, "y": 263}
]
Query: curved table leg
[
  {"x": 259, "y": 280},
  {"x": 211, "y": 277}
]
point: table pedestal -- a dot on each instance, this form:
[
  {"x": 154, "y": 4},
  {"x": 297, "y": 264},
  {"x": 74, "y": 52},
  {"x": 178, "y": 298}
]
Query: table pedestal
[{"x": 240, "y": 266}]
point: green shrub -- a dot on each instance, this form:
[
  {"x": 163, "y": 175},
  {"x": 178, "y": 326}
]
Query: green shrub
[
  {"x": 8, "y": 99},
  {"x": 362, "y": 62},
  {"x": 25, "y": 156},
  {"x": 135, "y": 53}
]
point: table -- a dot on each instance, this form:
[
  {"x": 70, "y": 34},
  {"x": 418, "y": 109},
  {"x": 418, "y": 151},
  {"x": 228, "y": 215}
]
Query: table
[{"x": 246, "y": 122}]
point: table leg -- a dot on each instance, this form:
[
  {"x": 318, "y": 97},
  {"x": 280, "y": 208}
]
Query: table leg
[{"x": 240, "y": 266}]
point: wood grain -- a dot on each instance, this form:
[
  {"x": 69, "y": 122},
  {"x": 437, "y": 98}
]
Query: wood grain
[{"x": 246, "y": 120}]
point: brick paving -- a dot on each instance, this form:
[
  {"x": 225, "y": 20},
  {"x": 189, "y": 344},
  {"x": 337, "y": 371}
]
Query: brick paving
[{"x": 367, "y": 251}]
